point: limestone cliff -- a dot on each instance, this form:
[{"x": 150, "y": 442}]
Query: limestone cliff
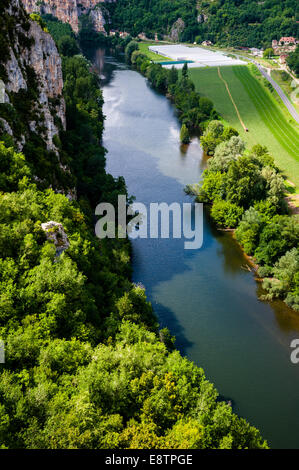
[
  {"x": 176, "y": 29},
  {"x": 97, "y": 19},
  {"x": 32, "y": 76},
  {"x": 68, "y": 11}
]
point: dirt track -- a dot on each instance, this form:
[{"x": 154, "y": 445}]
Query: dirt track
[{"x": 232, "y": 100}]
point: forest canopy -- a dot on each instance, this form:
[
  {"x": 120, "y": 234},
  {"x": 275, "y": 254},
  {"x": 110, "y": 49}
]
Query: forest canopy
[{"x": 224, "y": 22}]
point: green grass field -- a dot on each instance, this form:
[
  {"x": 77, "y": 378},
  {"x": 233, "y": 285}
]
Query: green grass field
[
  {"x": 143, "y": 47},
  {"x": 267, "y": 123}
]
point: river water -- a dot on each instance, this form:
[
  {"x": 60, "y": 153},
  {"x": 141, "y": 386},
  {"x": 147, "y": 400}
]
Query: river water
[{"x": 207, "y": 297}]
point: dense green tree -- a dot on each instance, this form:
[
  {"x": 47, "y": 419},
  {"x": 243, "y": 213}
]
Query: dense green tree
[
  {"x": 277, "y": 237},
  {"x": 293, "y": 61},
  {"x": 268, "y": 53},
  {"x": 56, "y": 28},
  {"x": 292, "y": 297},
  {"x": 88, "y": 37},
  {"x": 284, "y": 278},
  {"x": 172, "y": 76},
  {"x": 136, "y": 55},
  {"x": 14, "y": 172},
  {"x": 86, "y": 366},
  {"x": 226, "y": 214},
  {"x": 212, "y": 136},
  {"x": 244, "y": 182},
  {"x": 184, "y": 135},
  {"x": 67, "y": 46},
  {"x": 213, "y": 186},
  {"x": 131, "y": 47},
  {"x": 185, "y": 70},
  {"x": 225, "y": 153},
  {"x": 249, "y": 229}
]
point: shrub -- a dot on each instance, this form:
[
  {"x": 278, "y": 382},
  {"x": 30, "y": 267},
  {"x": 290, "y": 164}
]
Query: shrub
[{"x": 226, "y": 214}]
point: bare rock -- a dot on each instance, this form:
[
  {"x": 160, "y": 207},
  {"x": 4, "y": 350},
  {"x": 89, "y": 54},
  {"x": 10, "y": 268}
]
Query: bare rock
[
  {"x": 55, "y": 232},
  {"x": 68, "y": 11},
  {"x": 41, "y": 55},
  {"x": 98, "y": 21},
  {"x": 177, "y": 28}
]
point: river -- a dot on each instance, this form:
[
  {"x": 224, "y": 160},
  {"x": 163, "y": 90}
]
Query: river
[{"x": 206, "y": 297}]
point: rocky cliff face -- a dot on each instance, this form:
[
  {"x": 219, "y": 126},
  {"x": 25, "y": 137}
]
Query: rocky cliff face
[
  {"x": 97, "y": 19},
  {"x": 177, "y": 28},
  {"x": 65, "y": 11},
  {"x": 68, "y": 11},
  {"x": 32, "y": 76}
]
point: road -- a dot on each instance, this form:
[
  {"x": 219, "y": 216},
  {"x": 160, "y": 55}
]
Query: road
[
  {"x": 282, "y": 95},
  {"x": 280, "y": 92}
]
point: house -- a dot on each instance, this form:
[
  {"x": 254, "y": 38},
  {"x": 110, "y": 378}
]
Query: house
[
  {"x": 285, "y": 45},
  {"x": 256, "y": 52},
  {"x": 286, "y": 41},
  {"x": 142, "y": 36}
]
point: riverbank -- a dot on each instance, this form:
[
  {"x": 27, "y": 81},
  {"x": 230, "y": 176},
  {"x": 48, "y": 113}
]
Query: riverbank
[
  {"x": 259, "y": 215},
  {"x": 243, "y": 185},
  {"x": 205, "y": 297}
]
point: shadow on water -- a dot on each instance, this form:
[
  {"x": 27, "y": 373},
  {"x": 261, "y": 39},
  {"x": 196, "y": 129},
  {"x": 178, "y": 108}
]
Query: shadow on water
[{"x": 167, "y": 317}]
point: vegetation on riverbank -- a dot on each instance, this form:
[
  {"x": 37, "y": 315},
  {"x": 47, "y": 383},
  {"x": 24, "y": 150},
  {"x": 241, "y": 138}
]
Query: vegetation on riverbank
[
  {"x": 245, "y": 188},
  {"x": 247, "y": 193},
  {"x": 85, "y": 364},
  {"x": 194, "y": 110}
]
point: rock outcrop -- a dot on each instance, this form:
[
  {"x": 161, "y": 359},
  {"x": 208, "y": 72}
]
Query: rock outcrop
[
  {"x": 202, "y": 18},
  {"x": 68, "y": 11},
  {"x": 55, "y": 232},
  {"x": 33, "y": 67},
  {"x": 176, "y": 29},
  {"x": 46, "y": 62},
  {"x": 97, "y": 18}
]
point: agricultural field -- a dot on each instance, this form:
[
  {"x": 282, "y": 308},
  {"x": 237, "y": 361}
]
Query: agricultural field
[
  {"x": 267, "y": 123},
  {"x": 143, "y": 47}
]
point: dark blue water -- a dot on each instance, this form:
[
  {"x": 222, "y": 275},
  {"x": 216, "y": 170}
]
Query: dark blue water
[{"x": 207, "y": 297}]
